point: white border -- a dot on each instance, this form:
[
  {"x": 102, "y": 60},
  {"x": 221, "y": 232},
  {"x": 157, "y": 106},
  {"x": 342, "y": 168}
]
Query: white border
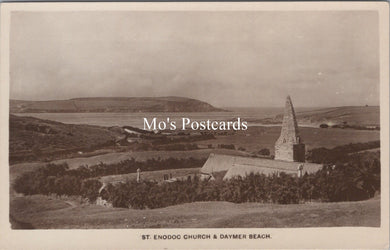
[{"x": 337, "y": 237}]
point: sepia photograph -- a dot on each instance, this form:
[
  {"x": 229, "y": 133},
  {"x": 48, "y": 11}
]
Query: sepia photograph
[{"x": 199, "y": 117}]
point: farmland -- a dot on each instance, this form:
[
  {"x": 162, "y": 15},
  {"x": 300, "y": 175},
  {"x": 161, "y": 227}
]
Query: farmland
[{"x": 256, "y": 138}]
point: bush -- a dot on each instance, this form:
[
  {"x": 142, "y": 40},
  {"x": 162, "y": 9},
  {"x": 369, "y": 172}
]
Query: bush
[
  {"x": 90, "y": 189},
  {"x": 338, "y": 154},
  {"x": 59, "y": 179},
  {"x": 264, "y": 151},
  {"x": 227, "y": 146},
  {"x": 357, "y": 178}
]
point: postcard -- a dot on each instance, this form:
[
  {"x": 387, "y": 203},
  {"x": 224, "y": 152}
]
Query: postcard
[{"x": 194, "y": 125}]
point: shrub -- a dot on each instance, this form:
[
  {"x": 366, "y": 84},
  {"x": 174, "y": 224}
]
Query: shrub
[
  {"x": 227, "y": 146},
  {"x": 90, "y": 189},
  {"x": 338, "y": 154},
  {"x": 264, "y": 151},
  {"x": 357, "y": 178}
]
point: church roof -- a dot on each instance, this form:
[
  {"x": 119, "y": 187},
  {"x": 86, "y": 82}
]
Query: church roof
[
  {"x": 238, "y": 165},
  {"x": 244, "y": 170}
]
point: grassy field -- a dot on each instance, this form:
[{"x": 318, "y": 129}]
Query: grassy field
[
  {"x": 28, "y": 133},
  {"x": 34, "y": 139},
  {"x": 17, "y": 169},
  {"x": 44, "y": 212},
  {"x": 252, "y": 140},
  {"x": 352, "y": 115},
  {"x": 357, "y": 115},
  {"x": 256, "y": 138},
  {"x": 50, "y": 212}
]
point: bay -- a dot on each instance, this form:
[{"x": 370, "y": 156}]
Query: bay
[{"x": 137, "y": 119}]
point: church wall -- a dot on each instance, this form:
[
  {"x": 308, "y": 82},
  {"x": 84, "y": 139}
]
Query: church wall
[
  {"x": 284, "y": 152},
  {"x": 299, "y": 152}
]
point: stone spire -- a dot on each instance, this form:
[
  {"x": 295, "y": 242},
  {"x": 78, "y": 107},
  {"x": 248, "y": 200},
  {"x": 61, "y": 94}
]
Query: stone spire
[
  {"x": 290, "y": 132},
  {"x": 289, "y": 146}
]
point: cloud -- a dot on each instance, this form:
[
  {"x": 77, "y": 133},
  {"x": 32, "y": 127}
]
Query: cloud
[{"x": 224, "y": 58}]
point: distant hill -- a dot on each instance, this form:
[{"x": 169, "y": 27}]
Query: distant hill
[
  {"x": 32, "y": 138},
  {"x": 113, "y": 104},
  {"x": 351, "y": 115}
]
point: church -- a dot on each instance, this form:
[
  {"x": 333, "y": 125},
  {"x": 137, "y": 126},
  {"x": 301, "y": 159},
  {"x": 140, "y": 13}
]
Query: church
[{"x": 289, "y": 155}]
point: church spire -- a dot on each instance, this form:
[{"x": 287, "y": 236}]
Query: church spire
[
  {"x": 290, "y": 132},
  {"x": 289, "y": 146}
]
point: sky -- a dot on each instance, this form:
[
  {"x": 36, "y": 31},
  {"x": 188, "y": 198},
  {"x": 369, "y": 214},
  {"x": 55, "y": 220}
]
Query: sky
[{"x": 228, "y": 59}]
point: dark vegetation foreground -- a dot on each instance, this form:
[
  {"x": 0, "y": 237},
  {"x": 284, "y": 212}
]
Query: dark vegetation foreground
[
  {"x": 250, "y": 202},
  {"x": 62, "y": 197},
  {"x": 353, "y": 177}
]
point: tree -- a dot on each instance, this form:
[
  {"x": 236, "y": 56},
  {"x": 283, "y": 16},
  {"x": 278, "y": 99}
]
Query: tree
[{"x": 90, "y": 189}]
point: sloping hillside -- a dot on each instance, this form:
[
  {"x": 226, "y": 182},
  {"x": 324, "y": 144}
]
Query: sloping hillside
[
  {"x": 113, "y": 104},
  {"x": 47, "y": 213},
  {"x": 352, "y": 115},
  {"x": 33, "y": 138}
]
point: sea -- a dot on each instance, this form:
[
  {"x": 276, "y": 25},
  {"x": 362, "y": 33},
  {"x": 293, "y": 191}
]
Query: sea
[{"x": 251, "y": 115}]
